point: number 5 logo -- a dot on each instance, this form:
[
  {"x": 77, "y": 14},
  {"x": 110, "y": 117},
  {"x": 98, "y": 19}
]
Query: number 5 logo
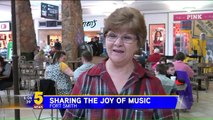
[{"x": 38, "y": 99}]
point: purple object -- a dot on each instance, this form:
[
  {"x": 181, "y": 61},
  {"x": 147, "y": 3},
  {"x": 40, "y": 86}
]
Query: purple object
[{"x": 186, "y": 94}]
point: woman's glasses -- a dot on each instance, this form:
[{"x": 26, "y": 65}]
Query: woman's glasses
[{"x": 126, "y": 38}]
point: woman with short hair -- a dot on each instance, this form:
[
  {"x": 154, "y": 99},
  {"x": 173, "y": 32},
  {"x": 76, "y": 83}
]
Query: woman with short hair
[
  {"x": 120, "y": 74},
  {"x": 181, "y": 66}
]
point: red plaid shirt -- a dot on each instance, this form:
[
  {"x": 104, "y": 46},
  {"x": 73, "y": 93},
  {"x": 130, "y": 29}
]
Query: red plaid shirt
[{"x": 97, "y": 81}]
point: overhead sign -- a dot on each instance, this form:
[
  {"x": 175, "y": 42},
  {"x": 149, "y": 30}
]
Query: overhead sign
[
  {"x": 90, "y": 24},
  {"x": 49, "y": 11},
  {"x": 5, "y": 26},
  {"x": 93, "y": 23},
  {"x": 201, "y": 16}
]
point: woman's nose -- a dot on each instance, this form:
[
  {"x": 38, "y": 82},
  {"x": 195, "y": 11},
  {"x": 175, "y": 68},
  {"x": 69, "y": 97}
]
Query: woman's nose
[{"x": 118, "y": 42}]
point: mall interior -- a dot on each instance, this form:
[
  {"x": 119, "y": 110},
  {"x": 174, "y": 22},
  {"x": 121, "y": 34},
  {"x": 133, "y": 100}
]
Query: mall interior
[{"x": 172, "y": 27}]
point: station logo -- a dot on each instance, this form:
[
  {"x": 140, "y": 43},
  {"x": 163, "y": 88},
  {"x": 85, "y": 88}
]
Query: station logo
[{"x": 38, "y": 100}]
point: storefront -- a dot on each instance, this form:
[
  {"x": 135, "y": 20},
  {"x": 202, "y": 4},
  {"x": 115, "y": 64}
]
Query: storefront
[
  {"x": 48, "y": 37},
  {"x": 189, "y": 32},
  {"x": 193, "y": 34},
  {"x": 5, "y": 34},
  {"x": 48, "y": 31},
  {"x": 5, "y": 40},
  {"x": 92, "y": 27}
]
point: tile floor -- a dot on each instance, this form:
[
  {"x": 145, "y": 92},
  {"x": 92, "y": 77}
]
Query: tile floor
[{"x": 203, "y": 110}]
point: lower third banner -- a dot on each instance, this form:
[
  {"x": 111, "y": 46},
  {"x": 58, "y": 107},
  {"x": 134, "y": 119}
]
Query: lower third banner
[{"x": 38, "y": 101}]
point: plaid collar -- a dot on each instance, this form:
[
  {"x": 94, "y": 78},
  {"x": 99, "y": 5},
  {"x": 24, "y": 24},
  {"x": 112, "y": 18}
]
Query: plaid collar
[{"x": 101, "y": 69}]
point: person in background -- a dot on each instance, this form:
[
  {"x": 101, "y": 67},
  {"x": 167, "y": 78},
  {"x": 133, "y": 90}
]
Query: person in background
[
  {"x": 140, "y": 56},
  {"x": 47, "y": 50},
  {"x": 37, "y": 49},
  {"x": 52, "y": 51},
  {"x": 91, "y": 43},
  {"x": 147, "y": 49},
  {"x": 60, "y": 72},
  {"x": 181, "y": 66},
  {"x": 57, "y": 45},
  {"x": 98, "y": 47},
  {"x": 120, "y": 74},
  {"x": 40, "y": 58},
  {"x": 170, "y": 71},
  {"x": 168, "y": 85},
  {"x": 86, "y": 58},
  {"x": 155, "y": 57},
  {"x": 95, "y": 46},
  {"x": 6, "y": 74},
  {"x": 162, "y": 60}
]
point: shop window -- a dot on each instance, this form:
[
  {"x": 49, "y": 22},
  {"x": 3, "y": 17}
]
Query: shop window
[
  {"x": 51, "y": 23},
  {"x": 59, "y": 23},
  {"x": 42, "y": 24}
]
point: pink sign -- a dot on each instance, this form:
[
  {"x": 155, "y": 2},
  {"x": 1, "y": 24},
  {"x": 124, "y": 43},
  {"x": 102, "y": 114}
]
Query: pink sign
[{"x": 201, "y": 16}]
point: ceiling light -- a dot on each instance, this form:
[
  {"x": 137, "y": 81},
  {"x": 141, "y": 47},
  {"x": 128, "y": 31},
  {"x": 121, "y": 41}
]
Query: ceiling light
[
  {"x": 128, "y": 1},
  {"x": 189, "y": 9},
  {"x": 180, "y": 5}
]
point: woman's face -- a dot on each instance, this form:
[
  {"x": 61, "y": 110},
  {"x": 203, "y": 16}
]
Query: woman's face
[
  {"x": 62, "y": 58},
  {"x": 121, "y": 46},
  {"x": 171, "y": 71},
  {"x": 158, "y": 34}
]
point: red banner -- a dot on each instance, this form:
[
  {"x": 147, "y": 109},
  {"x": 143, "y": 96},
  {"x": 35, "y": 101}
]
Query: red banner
[{"x": 200, "y": 16}]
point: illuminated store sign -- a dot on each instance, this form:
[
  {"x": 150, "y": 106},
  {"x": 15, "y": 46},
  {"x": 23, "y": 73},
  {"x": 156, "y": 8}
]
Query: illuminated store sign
[
  {"x": 201, "y": 16},
  {"x": 4, "y": 26},
  {"x": 90, "y": 24}
]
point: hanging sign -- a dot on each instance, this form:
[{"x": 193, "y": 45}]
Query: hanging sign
[
  {"x": 49, "y": 11},
  {"x": 90, "y": 24},
  {"x": 4, "y": 26},
  {"x": 200, "y": 16}
]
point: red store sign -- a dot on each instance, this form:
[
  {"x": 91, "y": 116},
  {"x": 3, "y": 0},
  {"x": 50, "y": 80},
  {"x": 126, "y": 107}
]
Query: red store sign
[
  {"x": 4, "y": 26},
  {"x": 201, "y": 16}
]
